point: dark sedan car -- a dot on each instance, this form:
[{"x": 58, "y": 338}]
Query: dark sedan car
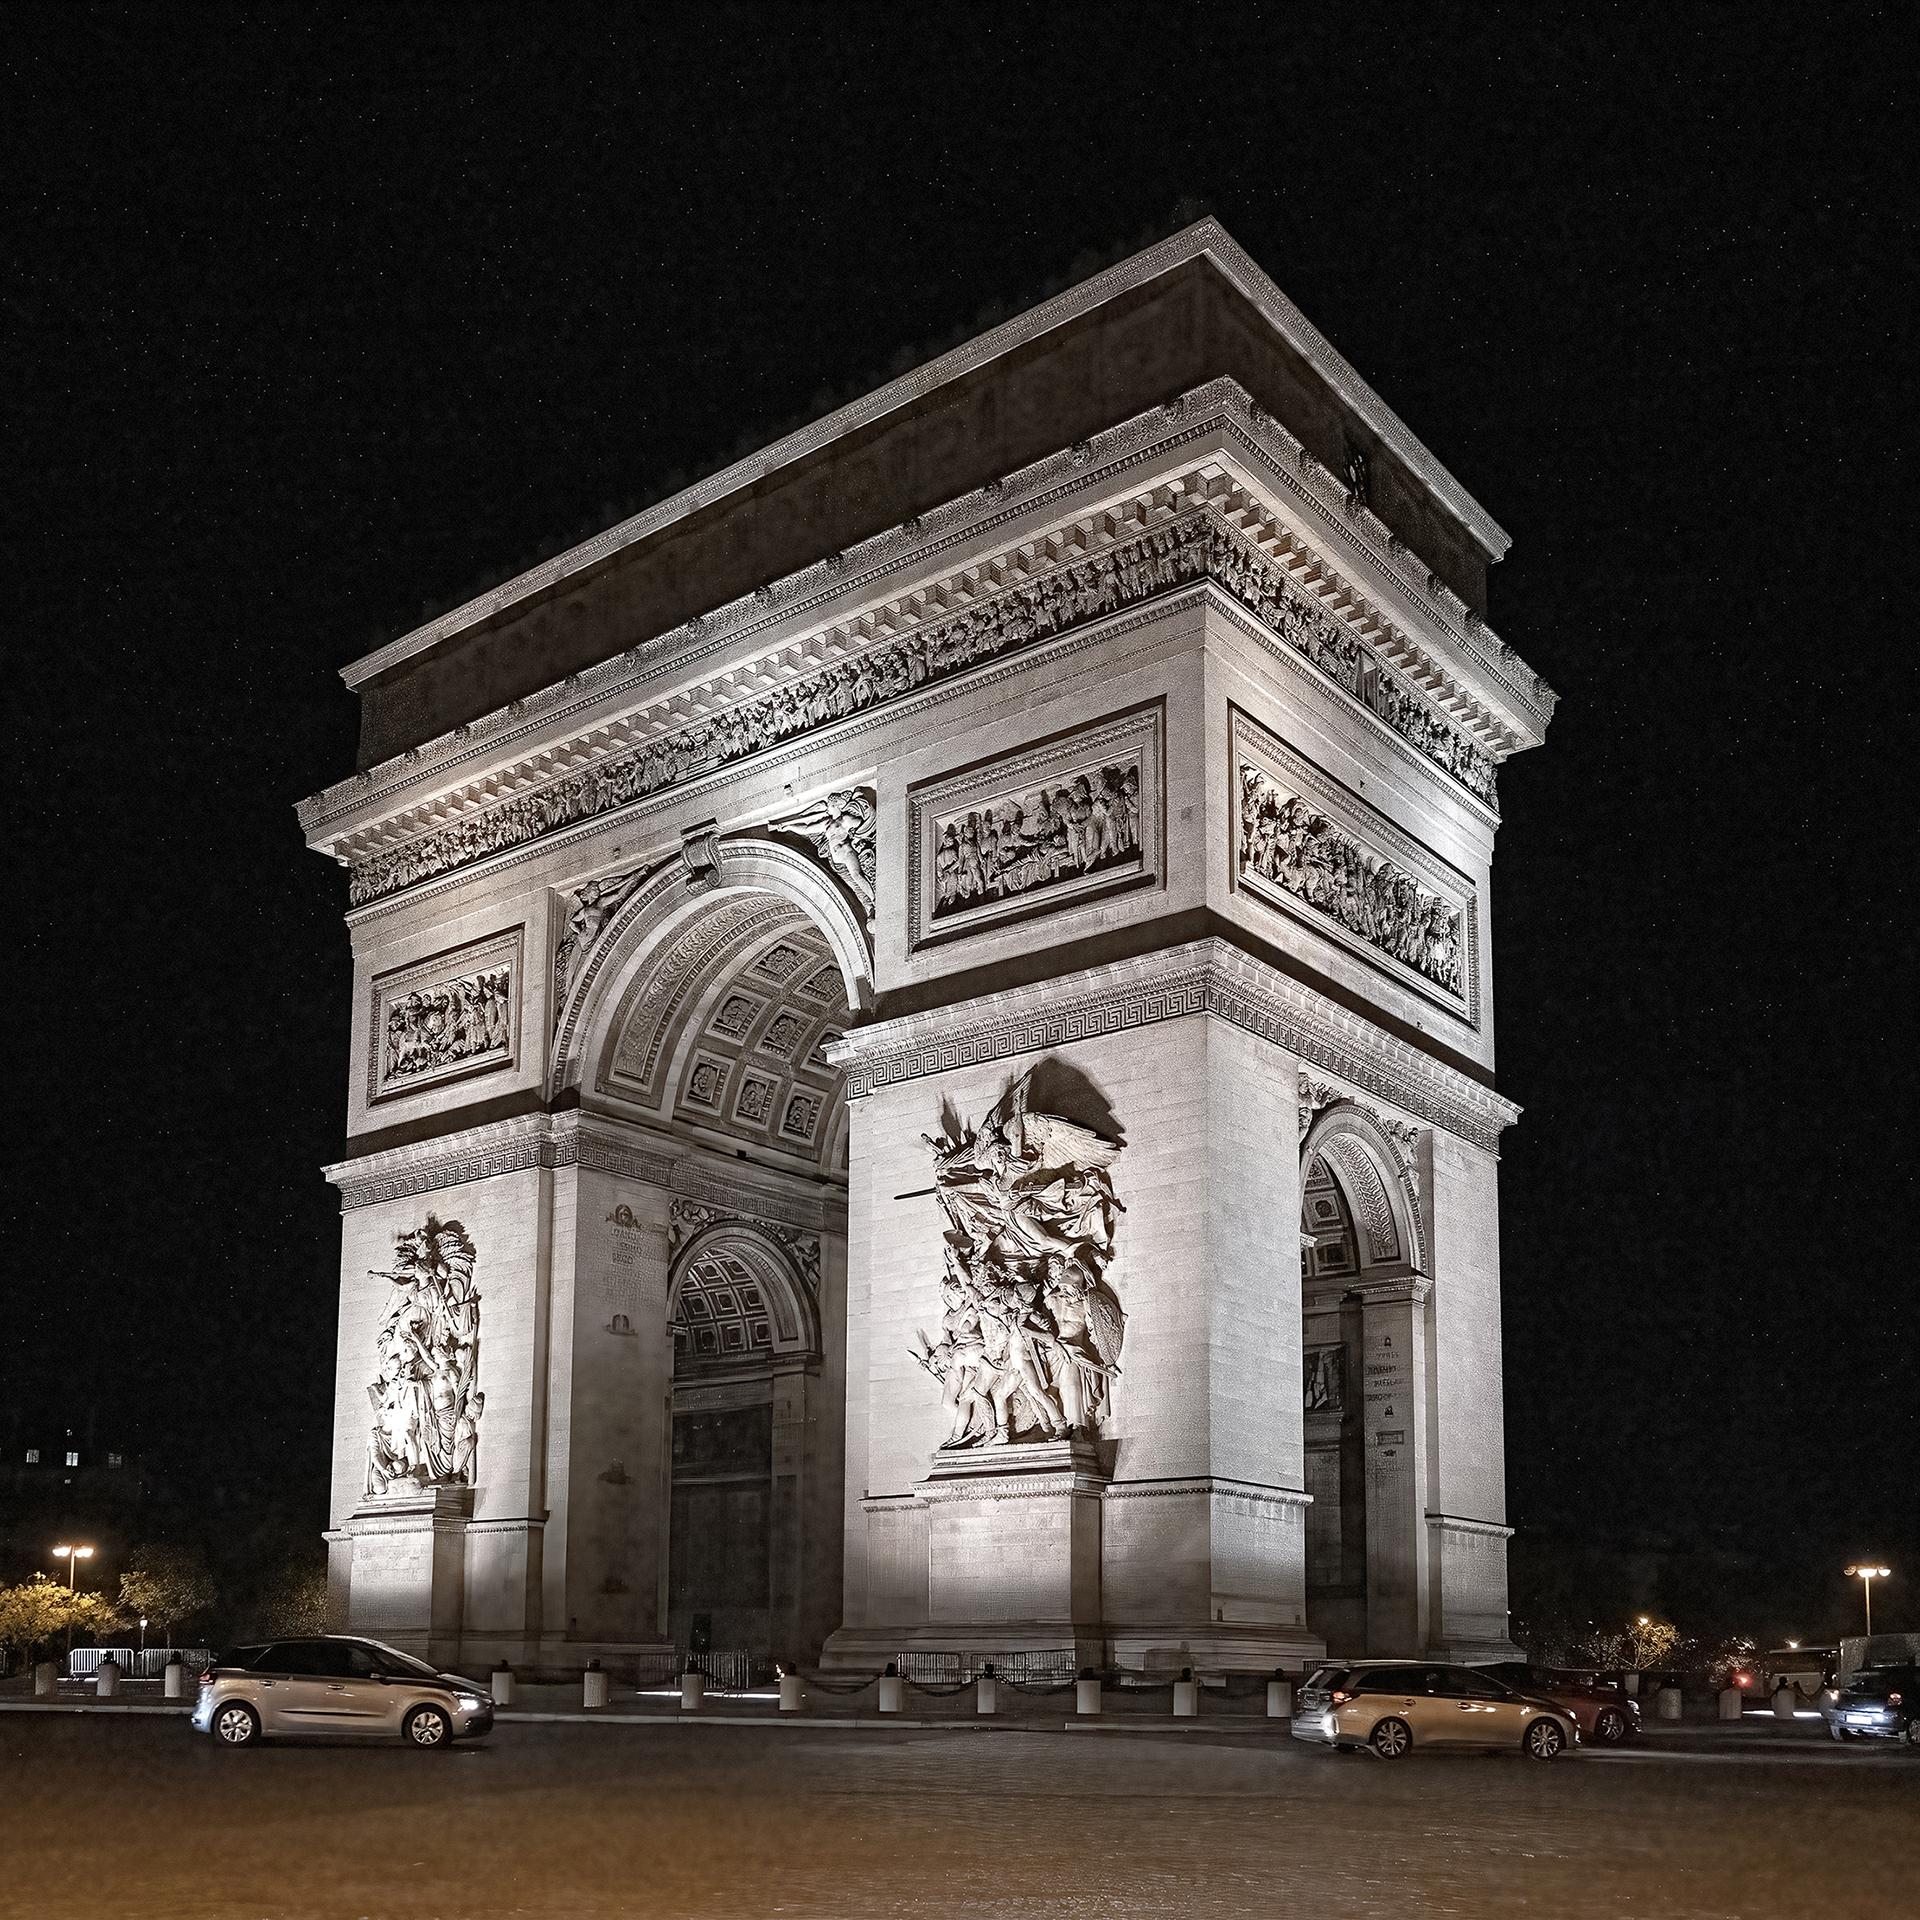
[
  {"x": 1879, "y": 1703},
  {"x": 1604, "y": 1712}
]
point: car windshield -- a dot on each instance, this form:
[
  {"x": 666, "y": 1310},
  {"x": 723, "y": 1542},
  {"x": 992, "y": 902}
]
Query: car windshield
[
  {"x": 394, "y": 1661},
  {"x": 1325, "y": 1679}
]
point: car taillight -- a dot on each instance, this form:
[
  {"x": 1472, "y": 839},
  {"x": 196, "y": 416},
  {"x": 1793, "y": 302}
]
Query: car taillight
[
  {"x": 1893, "y": 1699},
  {"x": 206, "y": 1678},
  {"x": 1337, "y": 1698}
]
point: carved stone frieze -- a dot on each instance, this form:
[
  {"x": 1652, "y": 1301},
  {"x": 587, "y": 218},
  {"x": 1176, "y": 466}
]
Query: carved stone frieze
[
  {"x": 1305, "y": 844},
  {"x": 425, "y": 1396},
  {"x": 1290, "y": 844},
  {"x": 1070, "y": 821},
  {"x": 1031, "y": 1334},
  {"x": 1194, "y": 546},
  {"x": 445, "y": 1018}
]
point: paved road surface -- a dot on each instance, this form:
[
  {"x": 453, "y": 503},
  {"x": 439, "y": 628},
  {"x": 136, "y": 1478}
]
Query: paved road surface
[{"x": 138, "y": 1817}]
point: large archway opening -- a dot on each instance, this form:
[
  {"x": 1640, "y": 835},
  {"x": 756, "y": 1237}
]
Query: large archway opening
[
  {"x": 709, "y": 1023},
  {"x": 1357, "y": 1228},
  {"x": 1332, "y": 1412}
]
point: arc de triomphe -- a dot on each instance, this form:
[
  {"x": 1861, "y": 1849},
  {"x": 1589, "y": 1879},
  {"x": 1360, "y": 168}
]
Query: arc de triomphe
[{"x": 923, "y": 1039}]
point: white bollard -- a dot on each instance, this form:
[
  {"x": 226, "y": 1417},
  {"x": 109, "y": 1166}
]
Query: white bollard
[
  {"x": 174, "y": 1676},
  {"x": 693, "y": 1689},
  {"x": 1666, "y": 1703},
  {"x": 593, "y": 1686},
  {"x": 893, "y": 1691},
  {"x": 792, "y": 1693},
  {"x": 986, "y": 1696},
  {"x": 1279, "y": 1699},
  {"x": 1733, "y": 1703},
  {"x": 1784, "y": 1701},
  {"x": 106, "y": 1679},
  {"x": 500, "y": 1685},
  {"x": 46, "y": 1679},
  {"x": 1186, "y": 1699},
  {"x": 1086, "y": 1695}
]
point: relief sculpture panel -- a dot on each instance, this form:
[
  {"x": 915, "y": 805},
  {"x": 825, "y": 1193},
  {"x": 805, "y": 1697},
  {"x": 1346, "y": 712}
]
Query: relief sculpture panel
[
  {"x": 445, "y": 1018},
  {"x": 1302, "y": 842},
  {"x": 1064, "y": 822},
  {"x": 425, "y": 1398},
  {"x": 1030, "y": 1338}
]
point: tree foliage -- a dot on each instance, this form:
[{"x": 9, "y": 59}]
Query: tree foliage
[
  {"x": 1643, "y": 1644},
  {"x": 167, "y": 1585},
  {"x": 40, "y": 1611},
  {"x": 293, "y": 1597}
]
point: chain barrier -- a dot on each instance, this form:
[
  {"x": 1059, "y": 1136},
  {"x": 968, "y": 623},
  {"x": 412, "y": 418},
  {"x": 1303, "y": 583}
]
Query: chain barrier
[{"x": 858, "y": 1686}]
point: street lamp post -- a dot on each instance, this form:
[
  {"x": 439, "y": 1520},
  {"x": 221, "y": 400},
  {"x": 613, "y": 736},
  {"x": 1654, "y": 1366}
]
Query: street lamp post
[
  {"x": 74, "y": 1555},
  {"x": 1867, "y": 1576}
]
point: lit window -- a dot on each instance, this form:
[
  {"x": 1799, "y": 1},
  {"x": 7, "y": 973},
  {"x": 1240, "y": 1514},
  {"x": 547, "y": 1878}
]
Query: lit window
[
  {"x": 73, "y": 1459},
  {"x": 116, "y": 1460},
  {"x": 33, "y": 1456}
]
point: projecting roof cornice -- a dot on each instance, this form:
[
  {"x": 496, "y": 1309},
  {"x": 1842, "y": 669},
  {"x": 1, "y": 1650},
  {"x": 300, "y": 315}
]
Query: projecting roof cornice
[
  {"x": 1207, "y": 493},
  {"x": 1205, "y": 239}
]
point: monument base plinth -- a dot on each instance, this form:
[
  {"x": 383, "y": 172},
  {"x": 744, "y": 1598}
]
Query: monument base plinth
[{"x": 408, "y": 1568}]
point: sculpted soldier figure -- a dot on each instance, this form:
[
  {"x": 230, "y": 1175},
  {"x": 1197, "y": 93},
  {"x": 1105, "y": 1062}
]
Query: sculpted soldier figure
[{"x": 1031, "y": 1332}]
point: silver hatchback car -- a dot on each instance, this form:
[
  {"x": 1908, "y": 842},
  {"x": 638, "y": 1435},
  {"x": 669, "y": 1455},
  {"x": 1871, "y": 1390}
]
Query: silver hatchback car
[
  {"x": 1392, "y": 1706},
  {"x": 336, "y": 1685}
]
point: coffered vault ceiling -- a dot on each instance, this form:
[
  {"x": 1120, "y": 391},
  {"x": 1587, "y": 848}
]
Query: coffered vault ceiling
[{"x": 724, "y": 1032}]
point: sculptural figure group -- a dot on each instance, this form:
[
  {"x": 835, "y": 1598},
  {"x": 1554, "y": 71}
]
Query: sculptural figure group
[
  {"x": 437, "y": 1026},
  {"x": 1284, "y": 840},
  {"x": 1032, "y": 839},
  {"x": 426, "y": 1403},
  {"x": 1031, "y": 1332}
]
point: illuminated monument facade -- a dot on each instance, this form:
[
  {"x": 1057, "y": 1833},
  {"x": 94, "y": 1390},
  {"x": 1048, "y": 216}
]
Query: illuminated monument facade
[{"x": 923, "y": 1035}]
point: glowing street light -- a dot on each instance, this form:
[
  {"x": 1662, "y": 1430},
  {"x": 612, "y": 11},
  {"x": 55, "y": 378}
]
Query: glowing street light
[
  {"x": 1867, "y": 1576},
  {"x": 74, "y": 1555}
]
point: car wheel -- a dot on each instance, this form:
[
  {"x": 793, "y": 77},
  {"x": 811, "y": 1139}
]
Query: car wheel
[
  {"x": 1543, "y": 1740},
  {"x": 428, "y": 1727},
  {"x": 1611, "y": 1727},
  {"x": 236, "y": 1725},
  {"x": 1913, "y": 1736},
  {"x": 1391, "y": 1739}
]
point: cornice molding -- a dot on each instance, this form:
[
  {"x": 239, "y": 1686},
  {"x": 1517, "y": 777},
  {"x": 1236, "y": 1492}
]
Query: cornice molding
[
  {"x": 1346, "y": 534},
  {"x": 1202, "y": 976},
  {"x": 504, "y": 1146},
  {"x": 1205, "y": 239}
]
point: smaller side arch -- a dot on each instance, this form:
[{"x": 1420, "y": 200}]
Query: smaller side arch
[
  {"x": 735, "y": 1260},
  {"x": 1376, "y": 1181}
]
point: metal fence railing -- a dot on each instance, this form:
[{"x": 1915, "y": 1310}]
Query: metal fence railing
[
  {"x": 135, "y": 1663},
  {"x": 84, "y": 1662},
  {"x": 729, "y": 1670}
]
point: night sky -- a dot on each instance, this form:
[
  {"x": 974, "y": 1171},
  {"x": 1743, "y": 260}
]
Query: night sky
[{"x": 310, "y": 330}]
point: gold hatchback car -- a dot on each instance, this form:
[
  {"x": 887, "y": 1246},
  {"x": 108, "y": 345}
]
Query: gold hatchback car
[
  {"x": 339, "y": 1686},
  {"x": 1390, "y": 1707}
]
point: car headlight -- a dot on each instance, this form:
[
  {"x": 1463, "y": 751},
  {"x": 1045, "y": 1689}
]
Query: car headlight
[{"x": 469, "y": 1702}]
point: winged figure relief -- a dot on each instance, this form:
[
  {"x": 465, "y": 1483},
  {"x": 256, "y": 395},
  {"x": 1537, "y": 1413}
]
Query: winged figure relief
[{"x": 1032, "y": 1331}]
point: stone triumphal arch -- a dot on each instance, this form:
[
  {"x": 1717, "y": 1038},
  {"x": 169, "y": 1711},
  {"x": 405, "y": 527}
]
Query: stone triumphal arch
[{"x": 922, "y": 1054}]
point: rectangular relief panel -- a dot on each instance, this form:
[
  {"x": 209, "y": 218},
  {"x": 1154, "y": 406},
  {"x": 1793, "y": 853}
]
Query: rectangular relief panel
[
  {"x": 1055, "y": 824},
  {"x": 445, "y": 1018},
  {"x": 1305, "y": 844}
]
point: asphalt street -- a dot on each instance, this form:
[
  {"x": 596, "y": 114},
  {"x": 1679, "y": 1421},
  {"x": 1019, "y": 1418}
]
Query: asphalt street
[{"x": 124, "y": 1816}]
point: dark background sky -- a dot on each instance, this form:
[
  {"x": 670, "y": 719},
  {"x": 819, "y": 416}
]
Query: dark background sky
[{"x": 314, "y": 324}]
